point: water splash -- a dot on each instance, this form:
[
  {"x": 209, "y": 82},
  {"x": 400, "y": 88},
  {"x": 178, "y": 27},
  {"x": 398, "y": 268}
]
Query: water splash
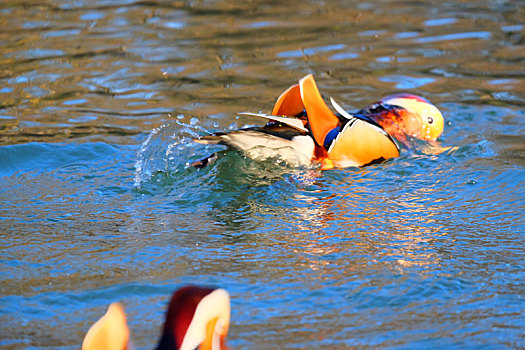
[
  {"x": 165, "y": 166},
  {"x": 169, "y": 149},
  {"x": 164, "y": 163}
]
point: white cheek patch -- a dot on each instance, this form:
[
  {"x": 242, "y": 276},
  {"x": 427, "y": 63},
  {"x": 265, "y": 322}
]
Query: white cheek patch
[{"x": 215, "y": 304}]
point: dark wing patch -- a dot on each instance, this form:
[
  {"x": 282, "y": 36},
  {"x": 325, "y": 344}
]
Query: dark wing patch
[{"x": 272, "y": 128}]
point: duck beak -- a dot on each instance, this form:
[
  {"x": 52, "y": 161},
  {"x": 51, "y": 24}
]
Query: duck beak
[
  {"x": 289, "y": 104},
  {"x": 110, "y": 332},
  {"x": 320, "y": 117},
  {"x": 213, "y": 340}
]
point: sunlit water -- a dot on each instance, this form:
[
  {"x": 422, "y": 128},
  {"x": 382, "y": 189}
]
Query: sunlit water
[{"x": 99, "y": 101}]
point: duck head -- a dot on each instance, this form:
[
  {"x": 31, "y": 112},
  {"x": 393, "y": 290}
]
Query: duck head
[
  {"x": 406, "y": 114},
  {"x": 110, "y": 332},
  {"x": 197, "y": 318}
]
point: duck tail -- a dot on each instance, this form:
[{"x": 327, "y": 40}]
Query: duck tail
[{"x": 201, "y": 163}]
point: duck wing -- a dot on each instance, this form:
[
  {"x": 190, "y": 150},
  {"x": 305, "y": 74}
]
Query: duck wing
[
  {"x": 295, "y": 123},
  {"x": 273, "y": 140},
  {"x": 272, "y": 135}
]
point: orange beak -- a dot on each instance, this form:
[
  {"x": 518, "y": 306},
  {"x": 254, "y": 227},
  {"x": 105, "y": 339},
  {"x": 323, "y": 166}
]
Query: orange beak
[{"x": 213, "y": 341}]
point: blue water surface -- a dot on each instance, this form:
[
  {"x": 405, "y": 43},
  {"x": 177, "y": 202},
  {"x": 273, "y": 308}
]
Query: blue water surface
[{"x": 98, "y": 107}]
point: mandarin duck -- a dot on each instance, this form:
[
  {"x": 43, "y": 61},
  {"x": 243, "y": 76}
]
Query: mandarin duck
[
  {"x": 197, "y": 318},
  {"x": 303, "y": 130}
]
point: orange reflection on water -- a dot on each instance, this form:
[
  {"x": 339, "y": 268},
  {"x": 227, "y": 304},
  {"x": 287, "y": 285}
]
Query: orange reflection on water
[{"x": 369, "y": 228}]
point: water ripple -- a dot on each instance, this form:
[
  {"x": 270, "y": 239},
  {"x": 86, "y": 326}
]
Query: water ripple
[{"x": 422, "y": 251}]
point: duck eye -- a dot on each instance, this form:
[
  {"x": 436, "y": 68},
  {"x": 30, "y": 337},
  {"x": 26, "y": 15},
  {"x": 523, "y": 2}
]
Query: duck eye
[{"x": 430, "y": 120}]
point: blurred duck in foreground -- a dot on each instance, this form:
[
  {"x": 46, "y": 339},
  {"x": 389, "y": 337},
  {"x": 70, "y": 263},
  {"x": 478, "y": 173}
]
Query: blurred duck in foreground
[
  {"x": 303, "y": 130},
  {"x": 197, "y": 318}
]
